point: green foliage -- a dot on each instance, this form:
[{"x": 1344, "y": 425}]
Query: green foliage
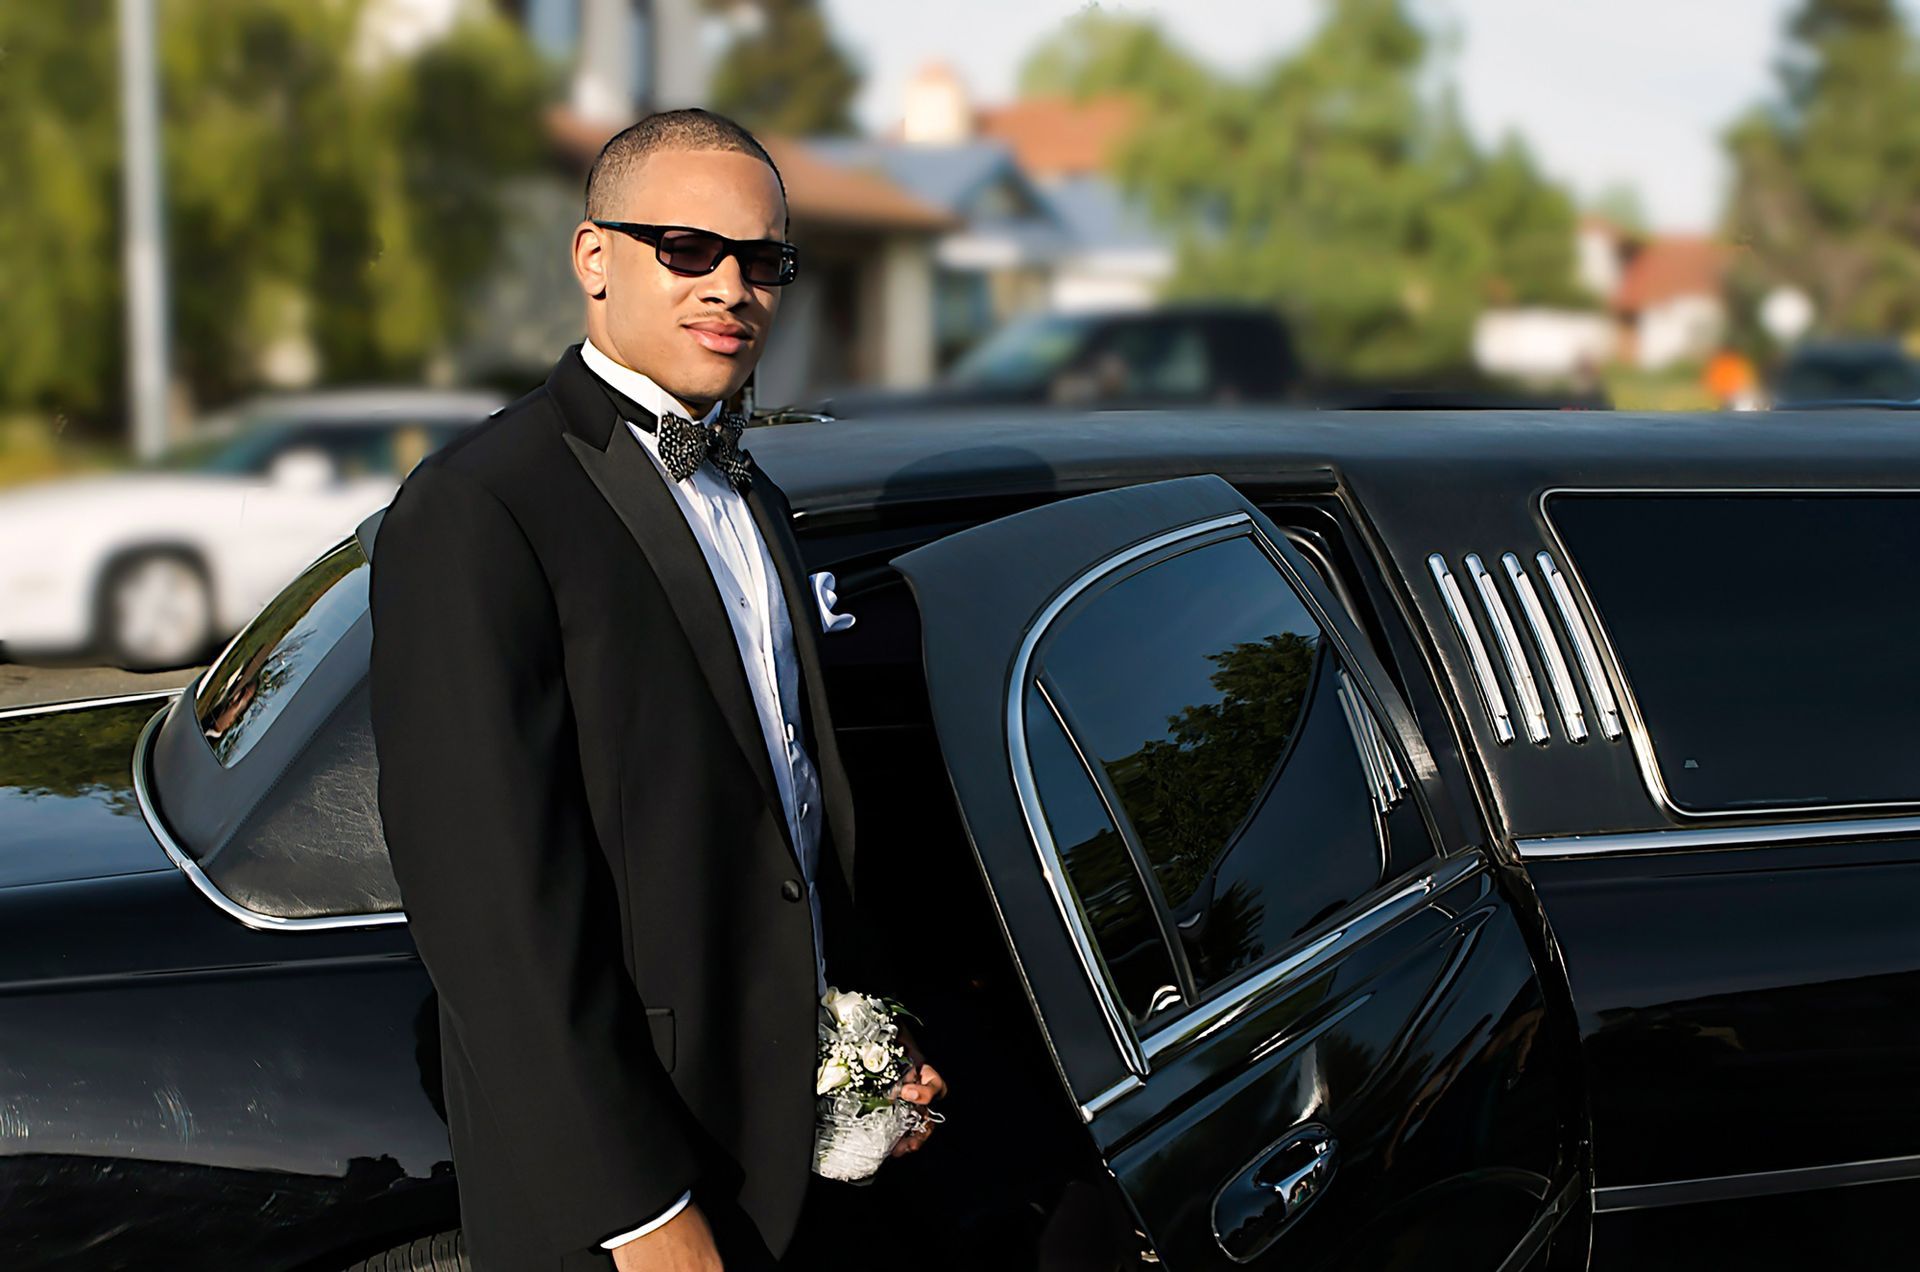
[
  {"x": 1330, "y": 185},
  {"x": 1621, "y": 204},
  {"x": 309, "y": 190},
  {"x": 1827, "y": 174},
  {"x": 786, "y": 74}
]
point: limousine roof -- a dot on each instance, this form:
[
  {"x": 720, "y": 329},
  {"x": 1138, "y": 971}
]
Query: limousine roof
[
  {"x": 858, "y": 463},
  {"x": 1459, "y": 503}
]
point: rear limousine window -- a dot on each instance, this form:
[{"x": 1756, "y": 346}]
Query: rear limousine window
[{"x": 1767, "y": 639}]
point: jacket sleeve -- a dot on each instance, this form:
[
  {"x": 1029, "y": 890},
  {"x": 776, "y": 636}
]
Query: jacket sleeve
[{"x": 507, "y": 893}]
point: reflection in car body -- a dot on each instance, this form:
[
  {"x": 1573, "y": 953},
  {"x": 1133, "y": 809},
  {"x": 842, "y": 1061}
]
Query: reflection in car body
[{"x": 1512, "y": 927}]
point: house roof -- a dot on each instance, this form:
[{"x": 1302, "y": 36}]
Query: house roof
[
  {"x": 1057, "y": 136},
  {"x": 1671, "y": 266},
  {"x": 820, "y": 190},
  {"x": 1098, "y": 217},
  {"x": 949, "y": 176}
]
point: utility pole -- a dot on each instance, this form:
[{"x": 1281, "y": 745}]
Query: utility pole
[{"x": 145, "y": 234}]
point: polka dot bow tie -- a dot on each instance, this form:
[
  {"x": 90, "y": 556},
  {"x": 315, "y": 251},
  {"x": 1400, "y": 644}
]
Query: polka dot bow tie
[{"x": 684, "y": 445}]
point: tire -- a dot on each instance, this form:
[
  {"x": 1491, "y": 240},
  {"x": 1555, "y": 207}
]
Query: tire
[
  {"x": 153, "y": 610},
  {"x": 442, "y": 1252}
]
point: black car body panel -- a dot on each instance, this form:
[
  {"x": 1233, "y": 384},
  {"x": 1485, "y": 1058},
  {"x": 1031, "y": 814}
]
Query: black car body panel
[
  {"x": 177, "y": 1083},
  {"x": 180, "y": 1075}
]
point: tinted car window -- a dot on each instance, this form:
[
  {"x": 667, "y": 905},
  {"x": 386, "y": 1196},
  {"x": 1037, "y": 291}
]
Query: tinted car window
[
  {"x": 1204, "y": 689},
  {"x": 1768, "y": 639},
  {"x": 239, "y": 696},
  {"x": 1119, "y": 913}
]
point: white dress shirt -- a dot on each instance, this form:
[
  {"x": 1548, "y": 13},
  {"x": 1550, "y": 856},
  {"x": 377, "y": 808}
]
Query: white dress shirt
[{"x": 749, "y": 589}]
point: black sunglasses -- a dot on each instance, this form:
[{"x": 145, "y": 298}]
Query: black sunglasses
[{"x": 690, "y": 252}]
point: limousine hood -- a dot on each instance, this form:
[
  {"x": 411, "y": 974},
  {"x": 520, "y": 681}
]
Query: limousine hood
[{"x": 66, "y": 795}]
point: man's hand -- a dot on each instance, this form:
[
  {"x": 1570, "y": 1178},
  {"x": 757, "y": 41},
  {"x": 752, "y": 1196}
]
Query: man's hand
[
  {"x": 683, "y": 1243},
  {"x": 923, "y": 1085}
]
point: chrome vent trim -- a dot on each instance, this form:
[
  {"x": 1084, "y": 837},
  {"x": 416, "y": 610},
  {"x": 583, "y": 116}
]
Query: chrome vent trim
[
  {"x": 1519, "y": 670},
  {"x": 1598, "y": 687},
  {"x": 1573, "y": 718},
  {"x": 1490, "y": 695},
  {"x": 1385, "y": 778}
]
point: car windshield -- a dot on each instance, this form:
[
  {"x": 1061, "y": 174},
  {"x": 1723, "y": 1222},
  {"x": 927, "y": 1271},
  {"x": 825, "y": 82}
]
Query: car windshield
[
  {"x": 1022, "y": 354},
  {"x": 244, "y": 451}
]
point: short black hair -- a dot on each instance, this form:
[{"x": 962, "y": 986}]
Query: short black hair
[{"x": 691, "y": 129}]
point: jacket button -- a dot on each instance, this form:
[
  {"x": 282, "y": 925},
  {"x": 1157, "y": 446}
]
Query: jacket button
[{"x": 790, "y": 889}]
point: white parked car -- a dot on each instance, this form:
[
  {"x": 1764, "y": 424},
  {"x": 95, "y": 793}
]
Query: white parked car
[{"x": 149, "y": 568}]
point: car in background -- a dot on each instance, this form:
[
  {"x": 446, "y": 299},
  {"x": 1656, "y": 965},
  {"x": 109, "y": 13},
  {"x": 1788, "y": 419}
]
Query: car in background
[
  {"x": 148, "y": 568},
  {"x": 1839, "y": 373},
  {"x": 1110, "y": 360}
]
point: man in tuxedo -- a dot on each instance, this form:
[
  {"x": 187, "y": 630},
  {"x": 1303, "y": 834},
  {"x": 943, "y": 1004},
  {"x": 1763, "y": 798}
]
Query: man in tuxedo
[{"x": 608, "y": 776}]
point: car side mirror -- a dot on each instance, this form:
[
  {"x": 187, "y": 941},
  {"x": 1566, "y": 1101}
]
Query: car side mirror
[{"x": 302, "y": 468}]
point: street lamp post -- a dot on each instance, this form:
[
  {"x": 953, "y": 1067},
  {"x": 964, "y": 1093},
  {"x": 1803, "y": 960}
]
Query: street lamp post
[{"x": 145, "y": 232}]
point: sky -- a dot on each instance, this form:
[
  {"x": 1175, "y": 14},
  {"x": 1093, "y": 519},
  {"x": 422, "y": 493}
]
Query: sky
[{"x": 1607, "y": 92}]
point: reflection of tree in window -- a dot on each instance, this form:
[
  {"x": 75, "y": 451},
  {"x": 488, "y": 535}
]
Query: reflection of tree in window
[{"x": 1188, "y": 792}]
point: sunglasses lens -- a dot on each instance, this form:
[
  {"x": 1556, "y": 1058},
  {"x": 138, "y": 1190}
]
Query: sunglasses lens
[
  {"x": 765, "y": 265},
  {"x": 690, "y": 251}
]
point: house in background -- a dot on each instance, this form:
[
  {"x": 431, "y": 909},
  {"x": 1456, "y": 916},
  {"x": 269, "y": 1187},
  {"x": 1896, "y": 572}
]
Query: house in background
[
  {"x": 1659, "y": 302},
  {"x": 1037, "y": 223},
  {"x": 1671, "y": 304}
]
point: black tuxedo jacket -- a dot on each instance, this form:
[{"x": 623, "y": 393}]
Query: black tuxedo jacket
[{"x": 591, "y": 849}]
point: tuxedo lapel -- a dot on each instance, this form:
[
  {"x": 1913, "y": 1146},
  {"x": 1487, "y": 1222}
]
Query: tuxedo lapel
[
  {"x": 774, "y": 516},
  {"x": 627, "y": 479}
]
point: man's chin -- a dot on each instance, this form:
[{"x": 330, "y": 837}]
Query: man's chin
[{"x": 704, "y": 388}]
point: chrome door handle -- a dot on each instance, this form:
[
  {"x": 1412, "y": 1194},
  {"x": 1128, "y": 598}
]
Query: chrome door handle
[{"x": 1263, "y": 1200}]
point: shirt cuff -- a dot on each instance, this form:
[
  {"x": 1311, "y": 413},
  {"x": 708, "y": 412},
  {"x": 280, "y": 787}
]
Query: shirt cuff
[{"x": 651, "y": 1224}]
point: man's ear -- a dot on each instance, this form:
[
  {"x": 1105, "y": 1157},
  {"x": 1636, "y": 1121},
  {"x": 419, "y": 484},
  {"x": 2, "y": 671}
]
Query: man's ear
[{"x": 590, "y": 259}]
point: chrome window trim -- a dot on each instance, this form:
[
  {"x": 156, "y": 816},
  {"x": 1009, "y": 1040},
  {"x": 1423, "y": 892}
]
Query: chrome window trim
[
  {"x": 1628, "y": 843},
  {"x": 1222, "y": 1010},
  {"x": 1519, "y": 671},
  {"x": 1573, "y": 717},
  {"x": 1384, "y": 776},
  {"x": 1491, "y": 697},
  {"x": 1052, "y": 869},
  {"x": 1583, "y": 647},
  {"x": 1762, "y": 1183},
  {"x": 150, "y": 813},
  {"x": 82, "y": 704},
  {"x": 1644, "y": 756},
  {"x": 1111, "y": 1096}
]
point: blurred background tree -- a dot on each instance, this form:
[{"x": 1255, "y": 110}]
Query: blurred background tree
[
  {"x": 1827, "y": 174},
  {"x": 782, "y": 72},
  {"x": 325, "y": 200},
  {"x": 1335, "y": 184}
]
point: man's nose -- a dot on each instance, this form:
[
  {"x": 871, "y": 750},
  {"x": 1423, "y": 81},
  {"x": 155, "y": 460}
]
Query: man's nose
[{"x": 726, "y": 285}]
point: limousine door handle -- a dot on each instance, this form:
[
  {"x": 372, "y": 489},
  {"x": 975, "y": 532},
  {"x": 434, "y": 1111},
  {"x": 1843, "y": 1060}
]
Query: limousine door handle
[{"x": 1259, "y": 1203}]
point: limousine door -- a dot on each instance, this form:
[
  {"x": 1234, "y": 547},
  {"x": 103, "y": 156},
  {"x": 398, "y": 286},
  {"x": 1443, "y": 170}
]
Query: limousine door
[{"x": 1283, "y": 985}]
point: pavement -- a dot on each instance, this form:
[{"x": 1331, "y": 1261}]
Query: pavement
[{"x": 32, "y": 684}]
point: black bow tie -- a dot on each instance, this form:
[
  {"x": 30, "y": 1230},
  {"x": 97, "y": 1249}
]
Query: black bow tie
[{"x": 685, "y": 445}]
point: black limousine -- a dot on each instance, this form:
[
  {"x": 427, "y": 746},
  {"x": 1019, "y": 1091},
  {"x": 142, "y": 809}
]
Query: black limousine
[{"x": 1322, "y": 840}]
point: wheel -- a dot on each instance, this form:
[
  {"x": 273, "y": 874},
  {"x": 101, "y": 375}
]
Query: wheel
[
  {"x": 154, "y": 611},
  {"x": 442, "y": 1252}
]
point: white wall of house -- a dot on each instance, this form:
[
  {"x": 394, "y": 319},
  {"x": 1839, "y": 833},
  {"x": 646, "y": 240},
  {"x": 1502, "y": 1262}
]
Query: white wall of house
[
  {"x": 1542, "y": 344},
  {"x": 1684, "y": 329},
  {"x": 1110, "y": 280},
  {"x": 1597, "y": 260},
  {"x": 905, "y": 312}
]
